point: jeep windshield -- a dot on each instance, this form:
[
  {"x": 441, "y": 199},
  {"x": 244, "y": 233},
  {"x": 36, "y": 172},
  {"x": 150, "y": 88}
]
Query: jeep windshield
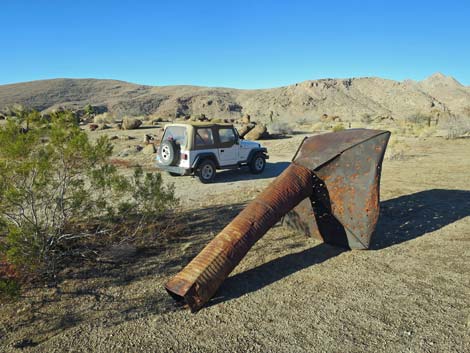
[{"x": 177, "y": 134}]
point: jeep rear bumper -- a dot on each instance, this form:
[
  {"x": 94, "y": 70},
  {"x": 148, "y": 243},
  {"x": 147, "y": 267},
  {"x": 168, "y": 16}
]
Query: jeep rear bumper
[{"x": 174, "y": 169}]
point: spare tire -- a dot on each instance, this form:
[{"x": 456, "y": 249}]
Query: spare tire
[{"x": 168, "y": 153}]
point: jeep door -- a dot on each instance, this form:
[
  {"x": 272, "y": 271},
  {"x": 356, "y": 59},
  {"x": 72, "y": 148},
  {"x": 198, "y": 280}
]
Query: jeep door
[{"x": 228, "y": 146}]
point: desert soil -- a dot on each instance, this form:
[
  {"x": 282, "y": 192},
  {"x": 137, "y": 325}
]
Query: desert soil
[{"x": 409, "y": 293}]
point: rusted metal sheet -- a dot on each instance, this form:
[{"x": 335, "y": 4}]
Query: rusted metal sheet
[
  {"x": 344, "y": 206},
  {"x": 332, "y": 189}
]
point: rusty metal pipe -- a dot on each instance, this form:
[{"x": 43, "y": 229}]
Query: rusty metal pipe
[{"x": 201, "y": 278}]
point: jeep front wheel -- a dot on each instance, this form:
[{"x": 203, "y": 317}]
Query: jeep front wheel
[
  {"x": 257, "y": 164},
  {"x": 206, "y": 171}
]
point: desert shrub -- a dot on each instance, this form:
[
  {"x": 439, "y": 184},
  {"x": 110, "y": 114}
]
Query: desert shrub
[
  {"x": 455, "y": 127},
  {"x": 366, "y": 118},
  {"x": 466, "y": 111},
  {"x": 280, "y": 128},
  {"x": 53, "y": 180},
  {"x": 338, "y": 127},
  {"x": 9, "y": 288},
  {"x": 105, "y": 118},
  {"x": 420, "y": 119}
]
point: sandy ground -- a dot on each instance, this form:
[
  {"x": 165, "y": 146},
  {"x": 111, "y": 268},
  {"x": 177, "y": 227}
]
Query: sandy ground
[{"x": 409, "y": 293}]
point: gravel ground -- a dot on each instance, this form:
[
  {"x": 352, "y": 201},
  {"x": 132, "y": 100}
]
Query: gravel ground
[{"x": 409, "y": 293}]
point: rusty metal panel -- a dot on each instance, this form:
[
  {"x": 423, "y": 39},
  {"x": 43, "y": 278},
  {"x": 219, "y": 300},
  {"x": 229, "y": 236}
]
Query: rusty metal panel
[{"x": 344, "y": 206}]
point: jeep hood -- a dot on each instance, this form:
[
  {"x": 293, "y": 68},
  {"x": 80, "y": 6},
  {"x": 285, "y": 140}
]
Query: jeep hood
[{"x": 249, "y": 144}]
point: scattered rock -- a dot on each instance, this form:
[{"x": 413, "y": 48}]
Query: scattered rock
[
  {"x": 149, "y": 149},
  {"x": 93, "y": 127},
  {"x": 25, "y": 343},
  {"x": 131, "y": 123},
  {"x": 103, "y": 127},
  {"x": 149, "y": 138},
  {"x": 202, "y": 117},
  {"x": 115, "y": 137},
  {"x": 138, "y": 148}
]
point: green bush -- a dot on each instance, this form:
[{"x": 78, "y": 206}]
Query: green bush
[
  {"x": 338, "y": 127},
  {"x": 53, "y": 180},
  {"x": 9, "y": 288}
]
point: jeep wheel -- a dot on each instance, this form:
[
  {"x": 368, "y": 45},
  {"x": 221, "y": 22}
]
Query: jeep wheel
[
  {"x": 257, "y": 164},
  {"x": 167, "y": 152},
  {"x": 206, "y": 171}
]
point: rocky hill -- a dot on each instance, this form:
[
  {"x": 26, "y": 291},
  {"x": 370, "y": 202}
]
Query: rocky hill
[{"x": 349, "y": 98}]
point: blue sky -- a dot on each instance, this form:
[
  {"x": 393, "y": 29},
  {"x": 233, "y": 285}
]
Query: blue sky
[{"x": 242, "y": 44}]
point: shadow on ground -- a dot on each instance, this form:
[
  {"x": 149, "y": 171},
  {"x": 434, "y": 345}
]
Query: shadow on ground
[
  {"x": 402, "y": 219},
  {"x": 271, "y": 170},
  {"x": 108, "y": 293}
]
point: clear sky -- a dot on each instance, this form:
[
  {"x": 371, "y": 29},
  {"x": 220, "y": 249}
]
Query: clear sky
[{"x": 242, "y": 44}]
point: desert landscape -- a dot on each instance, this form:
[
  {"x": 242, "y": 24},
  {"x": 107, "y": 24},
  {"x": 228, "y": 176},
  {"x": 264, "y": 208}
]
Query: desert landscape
[{"x": 409, "y": 293}]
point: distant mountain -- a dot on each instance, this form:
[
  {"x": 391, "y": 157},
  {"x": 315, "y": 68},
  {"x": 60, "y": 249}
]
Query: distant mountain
[
  {"x": 348, "y": 98},
  {"x": 447, "y": 89}
]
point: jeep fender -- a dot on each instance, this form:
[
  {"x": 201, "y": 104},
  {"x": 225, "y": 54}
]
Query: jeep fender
[
  {"x": 255, "y": 151},
  {"x": 202, "y": 156}
]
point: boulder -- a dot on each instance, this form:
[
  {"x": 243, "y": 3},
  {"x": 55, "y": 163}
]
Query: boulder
[
  {"x": 148, "y": 138},
  {"x": 245, "y": 129},
  {"x": 246, "y": 119},
  {"x": 257, "y": 133},
  {"x": 131, "y": 123}
]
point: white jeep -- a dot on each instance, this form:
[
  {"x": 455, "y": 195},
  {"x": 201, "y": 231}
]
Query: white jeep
[{"x": 201, "y": 148}]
